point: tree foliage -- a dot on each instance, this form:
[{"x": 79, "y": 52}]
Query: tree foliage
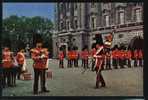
[{"x": 20, "y": 30}]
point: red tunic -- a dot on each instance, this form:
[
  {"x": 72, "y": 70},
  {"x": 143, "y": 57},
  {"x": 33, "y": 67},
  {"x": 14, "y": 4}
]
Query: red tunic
[
  {"x": 135, "y": 54},
  {"x": 128, "y": 54},
  {"x": 61, "y": 55},
  {"x": 93, "y": 52},
  {"x": 39, "y": 60},
  {"x": 140, "y": 54},
  {"x": 69, "y": 55},
  {"x": 86, "y": 54}
]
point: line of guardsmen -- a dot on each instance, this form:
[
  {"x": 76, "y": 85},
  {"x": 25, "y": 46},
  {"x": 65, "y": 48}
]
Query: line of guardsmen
[
  {"x": 12, "y": 65},
  {"x": 115, "y": 57}
]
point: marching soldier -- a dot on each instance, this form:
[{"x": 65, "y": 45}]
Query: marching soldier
[
  {"x": 98, "y": 67},
  {"x": 75, "y": 53},
  {"x": 20, "y": 57},
  {"x": 86, "y": 54},
  {"x": 40, "y": 57},
  {"x": 135, "y": 57},
  {"x": 140, "y": 57},
  {"x": 93, "y": 52},
  {"x": 108, "y": 60},
  {"x": 7, "y": 61},
  {"x": 61, "y": 58},
  {"x": 121, "y": 58},
  {"x": 82, "y": 57},
  {"x": 115, "y": 55},
  {"x": 129, "y": 56},
  {"x": 69, "y": 56}
]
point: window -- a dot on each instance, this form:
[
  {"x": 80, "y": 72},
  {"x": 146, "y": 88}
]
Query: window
[
  {"x": 76, "y": 6},
  {"x": 68, "y": 6},
  {"x": 107, "y": 20},
  {"x": 61, "y": 25},
  {"x": 61, "y": 7},
  {"x": 138, "y": 15},
  {"x": 93, "y": 22},
  {"x": 68, "y": 25},
  {"x": 92, "y": 5},
  {"x": 76, "y": 24},
  {"x": 121, "y": 17}
]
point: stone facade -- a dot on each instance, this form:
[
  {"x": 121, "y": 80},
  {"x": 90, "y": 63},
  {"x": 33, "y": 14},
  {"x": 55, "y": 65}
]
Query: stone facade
[{"x": 79, "y": 22}]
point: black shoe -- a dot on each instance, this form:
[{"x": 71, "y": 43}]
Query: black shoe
[
  {"x": 35, "y": 93},
  {"x": 45, "y": 91},
  {"x": 103, "y": 85}
]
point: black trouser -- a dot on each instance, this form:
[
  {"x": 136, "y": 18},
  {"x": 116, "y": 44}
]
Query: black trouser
[
  {"x": 69, "y": 63},
  {"x": 39, "y": 73},
  {"x": 99, "y": 78},
  {"x": 129, "y": 63},
  {"x": 85, "y": 63},
  {"x": 140, "y": 62},
  {"x": 19, "y": 70},
  {"x": 76, "y": 62},
  {"x": 115, "y": 63},
  {"x": 108, "y": 64},
  {"x": 135, "y": 62},
  {"x": 14, "y": 74},
  {"x": 82, "y": 63},
  {"x": 7, "y": 72},
  {"x": 121, "y": 63},
  {"x": 61, "y": 64},
  {"x": 93, "y": 64},
  {"x": 1, "y": 80}
]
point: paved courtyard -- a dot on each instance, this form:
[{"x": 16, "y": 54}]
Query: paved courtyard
[{"x": 71, "y": 82}]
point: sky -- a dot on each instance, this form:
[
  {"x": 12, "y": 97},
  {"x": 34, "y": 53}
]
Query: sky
[{"x": 29, "y": 9}]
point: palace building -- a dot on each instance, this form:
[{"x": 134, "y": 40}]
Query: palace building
[{"x": 76, "y": 24}]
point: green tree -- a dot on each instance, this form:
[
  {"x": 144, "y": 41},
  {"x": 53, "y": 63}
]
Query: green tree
[{"x": 20, "y": 30}]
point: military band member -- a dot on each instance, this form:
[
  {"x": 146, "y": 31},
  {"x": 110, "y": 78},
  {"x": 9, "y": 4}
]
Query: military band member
[
  {"x": 82, "y": 57},
  {"x": 108, "y": 60},
  {"x": 61, "y": 58},
  {"x": 40, "y": 56},
  {"x": 121, "y": 58},
  {"x": 20, "y": 57},
  {"x": 98, "y": 67},
  {"x": 93, "y": 52},
  {"x": 86, "y": 54},
  {"x": 115, "y": 56},
  {"x": 7, "y": 61},
  {"x": 129, "y": 56},
  {"x": 140, "y": 58},
  {"x": 75, "y": 52},
  {"x": 135, "y": 58},
  {"x": 69, "y": 57}
]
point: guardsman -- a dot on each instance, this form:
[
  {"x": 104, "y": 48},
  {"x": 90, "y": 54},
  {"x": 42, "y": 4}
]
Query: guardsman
[
  {"x": 40, "y": 57},
  {"x": 140, "y": 57},
  {"x": 98, "y": 67},
  {"x": 108, "y": 60},
  {"x": 82, "y": 57},
  {"x": 135, "y": 57},
  {"x": 20, "y": 57},
  {"x": 7, "y": 61},
  {"x": 75, "y": 53},
  {"x": 86, "y": 54},
  {"x": 129, "y": 57},
  {"x": 61, "y": 58},
  {"x": 93, "y": 52},
  {"x": 115, "y": 58},
  {"x": 69, "y": 56},
  {"x": 121, "y": 58}
]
